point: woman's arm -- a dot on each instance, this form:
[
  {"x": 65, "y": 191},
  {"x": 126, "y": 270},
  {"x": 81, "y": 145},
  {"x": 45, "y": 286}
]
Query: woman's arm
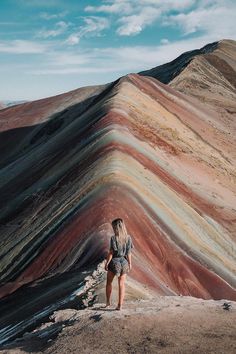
[
  {"x": 109, "y": 257},
  {"x": 129, "y": 260},
  {"x": 128, "y": 250}
]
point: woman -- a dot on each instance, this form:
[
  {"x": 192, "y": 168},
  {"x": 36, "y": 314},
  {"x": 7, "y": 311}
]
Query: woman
[{"x": 118, "y": 260}]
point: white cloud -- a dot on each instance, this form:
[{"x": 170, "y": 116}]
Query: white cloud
[
  {"x": 93, "y": 26},
  {"x": 117, "y": 6},
  {"x": 47, "y": 16},
  {"x": 215, "y": 18},
  {"x": 129, "y": 6},
  {"x": 164, "y": 41},
  {"x": 22, "y": 47},
  {"x": 68, "y": 58},
  {"x": 133, "y": 16},
  {"x": 75, "y": 70},
  {"x": 134, "y": 24},
  {"x": 59, "y": 28},
  {"x": 73, "y": 39},
  {"x": 136, "y": 15}
]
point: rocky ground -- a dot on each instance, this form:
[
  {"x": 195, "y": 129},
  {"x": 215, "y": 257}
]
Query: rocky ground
[{"x": 146, "y": 324}]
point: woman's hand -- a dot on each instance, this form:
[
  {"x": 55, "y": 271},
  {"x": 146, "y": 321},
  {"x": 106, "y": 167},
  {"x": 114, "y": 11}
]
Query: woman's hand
[
  {"x": 109, "y": 257},
  {"x": 106, "y": 266},
  {"x": 129, "y": 260}
]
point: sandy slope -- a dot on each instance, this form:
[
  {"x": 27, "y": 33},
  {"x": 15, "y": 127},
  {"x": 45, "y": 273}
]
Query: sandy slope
[{"x": 147, "y": 324}]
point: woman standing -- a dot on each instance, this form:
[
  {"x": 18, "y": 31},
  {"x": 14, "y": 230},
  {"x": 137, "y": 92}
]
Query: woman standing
[{"x": 118, "y": 260}]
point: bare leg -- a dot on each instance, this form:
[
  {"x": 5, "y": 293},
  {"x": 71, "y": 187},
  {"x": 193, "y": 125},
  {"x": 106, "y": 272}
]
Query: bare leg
[
  {"x": 121, "y": 282},
  {"x": 110, "y": 277}
]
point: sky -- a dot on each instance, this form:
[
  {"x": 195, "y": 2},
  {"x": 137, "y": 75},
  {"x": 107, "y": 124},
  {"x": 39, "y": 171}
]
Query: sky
[{"x": 48, "y": 47}]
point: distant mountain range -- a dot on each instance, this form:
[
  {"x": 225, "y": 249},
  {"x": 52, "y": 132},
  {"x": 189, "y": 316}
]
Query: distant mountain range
[
  {"x": 155, "y": 148},
  {"x": 5, "y": 104}
]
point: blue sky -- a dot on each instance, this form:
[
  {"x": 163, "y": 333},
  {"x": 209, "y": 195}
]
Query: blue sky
[{"x": 53, "y": 46}]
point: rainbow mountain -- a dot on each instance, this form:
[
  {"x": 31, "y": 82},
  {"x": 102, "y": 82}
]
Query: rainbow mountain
[{"x": 156, "y": 149}]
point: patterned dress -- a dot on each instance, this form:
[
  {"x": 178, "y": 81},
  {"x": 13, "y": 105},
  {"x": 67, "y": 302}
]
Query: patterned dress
[{"x": 119, "y": 264}]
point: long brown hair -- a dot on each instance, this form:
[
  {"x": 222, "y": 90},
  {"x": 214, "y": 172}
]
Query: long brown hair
[{"x": 120, "y": 231}]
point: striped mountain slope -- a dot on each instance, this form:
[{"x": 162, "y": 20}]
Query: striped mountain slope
[{"x": 137, "y": 149}]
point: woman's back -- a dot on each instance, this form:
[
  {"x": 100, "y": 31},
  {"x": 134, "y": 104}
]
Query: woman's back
[{"x": 118, "y": 250}]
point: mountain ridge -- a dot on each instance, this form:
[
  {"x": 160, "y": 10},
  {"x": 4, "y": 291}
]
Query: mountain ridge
[
  {"x": 108, "y": 116},
  {"x": 175, "y": 66},
  {"x": 207, "y": 74}
]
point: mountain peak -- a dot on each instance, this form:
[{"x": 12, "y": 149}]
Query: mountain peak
[{"x": 167, "y": 72}]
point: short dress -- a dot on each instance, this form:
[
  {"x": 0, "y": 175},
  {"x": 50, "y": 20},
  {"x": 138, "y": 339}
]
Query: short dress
[{"x": 119, "y": 264}]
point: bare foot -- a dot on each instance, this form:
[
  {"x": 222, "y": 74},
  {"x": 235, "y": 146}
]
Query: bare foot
[
  {"x": 118, "y": 307},
  {"x": 107, "y": 305}
]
